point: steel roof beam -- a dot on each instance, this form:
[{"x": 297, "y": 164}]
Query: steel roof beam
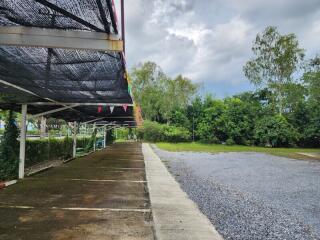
[
  {"x": 54, "y": 110},
  {"x": 94, "y": 120},
  {"x": 55, "y": 38},
  {"x": 32, "y": 93},
  {"x": 112, "y": 16},
  {"x": 103, "y": 16},
  {"x": 80, "y": 104},
  {"x": 26, "y": 91}
]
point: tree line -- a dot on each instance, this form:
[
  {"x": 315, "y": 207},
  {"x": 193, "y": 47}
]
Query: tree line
[{"x": 283, "y": 110}]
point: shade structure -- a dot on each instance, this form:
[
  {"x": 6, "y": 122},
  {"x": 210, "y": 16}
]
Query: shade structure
[{"x": 52, "y": 54}]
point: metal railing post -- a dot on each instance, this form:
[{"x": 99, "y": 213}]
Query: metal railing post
[
  {"x": 105, "y": 137},
  {"x": 74, "y": 149},
  {"x": 95, "y": 138}
]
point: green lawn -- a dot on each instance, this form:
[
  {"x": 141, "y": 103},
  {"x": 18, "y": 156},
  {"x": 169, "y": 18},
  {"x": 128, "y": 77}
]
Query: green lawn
[{"x": 215, "y": 148}]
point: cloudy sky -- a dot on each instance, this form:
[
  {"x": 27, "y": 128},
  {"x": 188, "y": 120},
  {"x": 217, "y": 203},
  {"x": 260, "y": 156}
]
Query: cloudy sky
[{"x": 209, "y": 41}]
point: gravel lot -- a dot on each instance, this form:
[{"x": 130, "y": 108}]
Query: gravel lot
[{"x": 251, "y": 195}]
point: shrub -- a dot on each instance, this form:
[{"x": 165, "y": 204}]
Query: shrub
[
  {"x": 153, "y": 131},
  {"x": 156, "y": 132},
  {"x": 275, "y": 131},
  {"x": 311, "y": 132},
  {"x": 110, "y": 137},
  {"x": 9, "y": 148},
  {"x": 176, "y": 134},
  {"x": 82, "y": 142},
  {"x": 40, "y": 150},
  {"x": 89, "y": 146},
  {"x": 210, "y": 139},
  {"x": 48, "y": 149},
  {"x": 230, "y": 142},
  {"x": 140, "y": 133}
]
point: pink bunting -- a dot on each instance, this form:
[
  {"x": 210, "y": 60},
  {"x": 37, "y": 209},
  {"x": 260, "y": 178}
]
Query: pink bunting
[
  {"x": 99, "y": 109},
  {"x": 125, "y": 107}
]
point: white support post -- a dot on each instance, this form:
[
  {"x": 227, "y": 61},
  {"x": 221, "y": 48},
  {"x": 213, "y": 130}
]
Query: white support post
[
  {"x": 94, "y": 140},
  {"x": 105, "y": 137},
  {"x": 43, "y": 125},
  {"x": 23, "y": 133},
  {"x": 75, "y": 128}
]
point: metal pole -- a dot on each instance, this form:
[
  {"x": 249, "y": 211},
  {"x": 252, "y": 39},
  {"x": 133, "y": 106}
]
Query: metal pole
[
  {"x": 95, "y": 137},
  {"x": 116, "y": 133},
  {"x": 193, "y": 128},
  {"x": 105, "y": 137},
  {"x": 123, "y": 27},
  {"x": 75, "y": 128},
  {"x": 23, "y": 133}
]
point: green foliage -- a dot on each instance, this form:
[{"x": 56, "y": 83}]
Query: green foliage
[
  {"x": 126, "y": 133},
  {"x": 156, "y": 132},
  {"x": 176, "y": 134},
  {"x": 277, "y": 57},
  {"x": 213, "y": 123},
  {"x": 9, "y": 149},
  {"x": 311, "y": 131},
  {"x": 152, "y": 131},
  {"x": 82, "y": 142},
  {"x": 110, "y": 136},
  {"x": 89, "y": 146},
  {"x": 275, "y": 131},
  {"x": 123, "y": 133},
  {"x": 158, "y": 95},
  {"x": 311, "y": 79},
  {"x": 179, "y": 118},
  {"x": 140, "y": 132},
  {"x": 230, "y": 142},
  {"x": 48, "y": 149},
  {"x": 40, "y": 150},
  {"x": 241, "y": 118}
]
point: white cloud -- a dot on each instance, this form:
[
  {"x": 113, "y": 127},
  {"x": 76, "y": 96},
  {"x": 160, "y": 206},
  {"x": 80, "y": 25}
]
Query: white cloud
[{"x": 209, "y": 41}]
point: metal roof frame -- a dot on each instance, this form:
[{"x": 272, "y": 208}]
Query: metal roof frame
[
  {"x": 62, "y": 44},
  {"x": 56, "y": 38}
]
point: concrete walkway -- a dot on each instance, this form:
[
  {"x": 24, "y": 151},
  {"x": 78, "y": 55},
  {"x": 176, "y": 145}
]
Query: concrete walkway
[
  {"x": 100, "y": 196},
  {"x": 175, "y": 216}
]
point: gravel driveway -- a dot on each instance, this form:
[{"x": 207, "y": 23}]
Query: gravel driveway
[{"x": 251, "y": 195}]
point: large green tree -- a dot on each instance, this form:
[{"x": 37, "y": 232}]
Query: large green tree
[
  {"x": 276, "y": 59},
  {"x": 158, "y": 95},
  {"x": 148, "y": 86},
  {"x": 311, "y": 79},
  {"x": 311, "y": 114}
]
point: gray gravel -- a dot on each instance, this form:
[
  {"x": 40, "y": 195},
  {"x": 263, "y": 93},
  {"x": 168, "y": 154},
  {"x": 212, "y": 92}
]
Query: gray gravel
[{"x": 251, "y": 195}]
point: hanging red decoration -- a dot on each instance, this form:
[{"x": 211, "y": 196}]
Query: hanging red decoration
[
  {"x": 125, "y": 107},
  {"x": 99, "y": 109}
]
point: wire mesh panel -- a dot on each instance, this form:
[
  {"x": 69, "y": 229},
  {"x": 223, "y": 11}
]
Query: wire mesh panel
[
  {"x": 62, "y": 75},
  {"x": 66, "y": 75},
  {"x": 60, "y": 14}
]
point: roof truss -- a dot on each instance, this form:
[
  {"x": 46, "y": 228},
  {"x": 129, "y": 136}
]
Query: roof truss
[
  {"x": 55, "y": 110},
  {"x": 56, "y": 38}
]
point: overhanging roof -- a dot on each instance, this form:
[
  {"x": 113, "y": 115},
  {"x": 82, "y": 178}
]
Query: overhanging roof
[{"x": 62, "y": 69}]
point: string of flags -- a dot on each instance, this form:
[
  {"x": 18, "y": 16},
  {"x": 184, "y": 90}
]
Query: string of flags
[{"x": 111, "y": 108}]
